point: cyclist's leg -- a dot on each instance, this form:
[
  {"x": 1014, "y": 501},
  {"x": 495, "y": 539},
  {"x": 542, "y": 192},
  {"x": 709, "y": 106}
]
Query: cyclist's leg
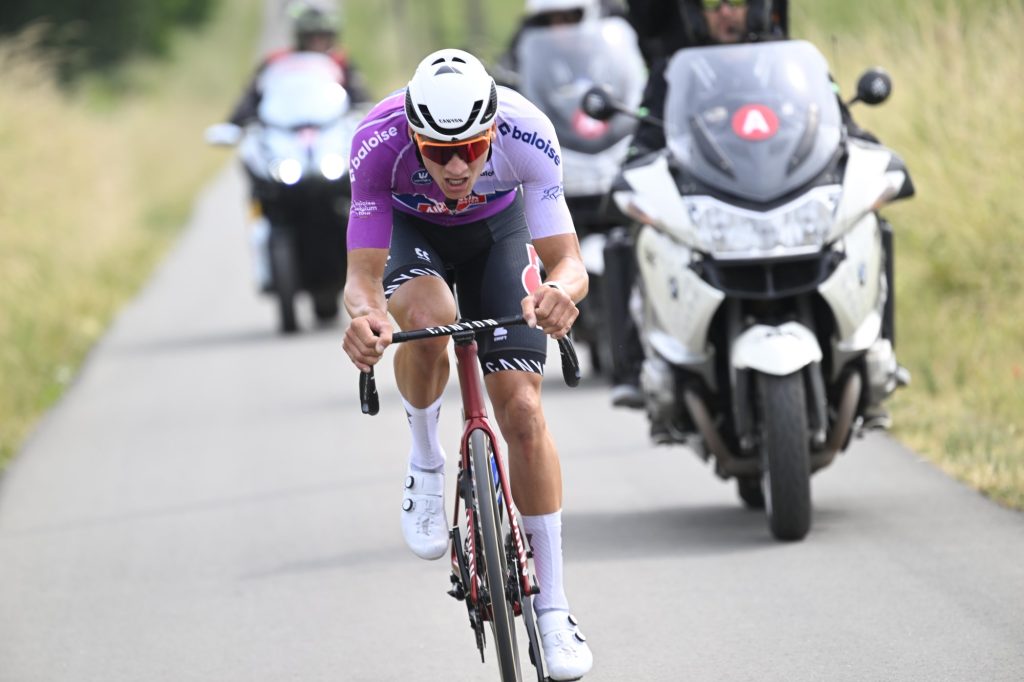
[
  {"x": 513, "y": 360},
  {"x": 419, "y": 296}
]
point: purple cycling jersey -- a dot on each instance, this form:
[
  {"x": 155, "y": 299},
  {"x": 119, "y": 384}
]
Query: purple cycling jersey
[{"x": 386, "y": 174}]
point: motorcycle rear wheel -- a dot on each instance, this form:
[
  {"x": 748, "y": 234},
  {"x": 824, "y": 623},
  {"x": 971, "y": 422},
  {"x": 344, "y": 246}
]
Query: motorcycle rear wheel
[
  {"x": 749, "y": 490},
  {"x": 785, "y": 455}
]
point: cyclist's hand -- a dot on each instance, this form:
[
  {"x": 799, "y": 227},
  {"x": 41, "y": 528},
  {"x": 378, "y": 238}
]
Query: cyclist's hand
[
  {"x": 551, "y": 310},
  {"x": 365, "y": 340}
]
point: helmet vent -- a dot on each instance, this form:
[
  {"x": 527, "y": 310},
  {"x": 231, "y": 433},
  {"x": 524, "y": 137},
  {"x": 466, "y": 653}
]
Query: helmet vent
[
  {"x": 446, "y": 69},
  {"x": 492, "y": 105},
  {"x": 410, "y": 111}
]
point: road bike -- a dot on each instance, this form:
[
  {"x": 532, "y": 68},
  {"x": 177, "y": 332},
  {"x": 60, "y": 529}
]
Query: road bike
[{"x": 489, "y": 554}]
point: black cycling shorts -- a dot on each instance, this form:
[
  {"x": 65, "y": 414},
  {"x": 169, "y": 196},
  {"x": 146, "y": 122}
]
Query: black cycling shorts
[{"x": 492, "y": 265}]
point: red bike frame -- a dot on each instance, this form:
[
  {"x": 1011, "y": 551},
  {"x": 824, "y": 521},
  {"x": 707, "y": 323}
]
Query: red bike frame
[{"x": 474, "y": 413}]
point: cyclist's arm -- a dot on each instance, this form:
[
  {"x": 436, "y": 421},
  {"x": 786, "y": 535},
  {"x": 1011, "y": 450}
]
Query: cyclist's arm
[
  {"x": 369, "y": 333},
  {"x": 564, "y": 264},
  {"x": 551, "y": 307}
]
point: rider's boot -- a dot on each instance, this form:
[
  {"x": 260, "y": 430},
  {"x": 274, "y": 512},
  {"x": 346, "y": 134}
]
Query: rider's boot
[
  {"x": 566, "y": 652},
  {"x": 623, "y": 336}
]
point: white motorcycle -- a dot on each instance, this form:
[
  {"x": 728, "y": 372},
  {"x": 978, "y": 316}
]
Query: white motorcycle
[
  {"x": 296, "y": 157},
  {"x": 764, "y": 294},
  {"x": 557, "y": 66}
]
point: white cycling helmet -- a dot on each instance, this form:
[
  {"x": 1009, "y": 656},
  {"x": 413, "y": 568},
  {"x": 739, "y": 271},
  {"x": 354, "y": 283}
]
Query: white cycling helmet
[{"x": 451, "y": 97}]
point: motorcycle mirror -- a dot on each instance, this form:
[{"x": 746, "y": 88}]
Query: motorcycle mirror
[
  {"x": 223, "y": 135},
  {"x": 597, "y": 103},
  {"x": 874, "y": 87}
]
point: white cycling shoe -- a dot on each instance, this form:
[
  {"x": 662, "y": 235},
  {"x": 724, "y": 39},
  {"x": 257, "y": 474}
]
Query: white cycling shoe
[
  {"x": 565, "y": 648},
  {"x": 424, "y": 523}
]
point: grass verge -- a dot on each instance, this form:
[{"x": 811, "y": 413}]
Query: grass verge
[
  {"x": 957, "y": 118},
  {"x": 99, "y": 182}
]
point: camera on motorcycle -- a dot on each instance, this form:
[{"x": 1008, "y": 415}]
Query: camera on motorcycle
[{"x": 874, "y": 87}]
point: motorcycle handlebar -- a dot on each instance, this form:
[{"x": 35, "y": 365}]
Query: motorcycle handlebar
[{"x": 370, "y": 402}]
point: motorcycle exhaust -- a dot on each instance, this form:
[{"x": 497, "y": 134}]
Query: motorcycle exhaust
[
  {"x": 844, "y": 422},
  {"x": 728, "y": 464}
]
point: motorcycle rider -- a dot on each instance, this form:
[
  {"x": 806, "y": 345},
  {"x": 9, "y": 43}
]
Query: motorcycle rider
[
  {"x": 547, "y": 13},
  {"x": 665, "y": 28},
  {"x": 314, "y": 30},
  {"x": 458, "y": 181}
]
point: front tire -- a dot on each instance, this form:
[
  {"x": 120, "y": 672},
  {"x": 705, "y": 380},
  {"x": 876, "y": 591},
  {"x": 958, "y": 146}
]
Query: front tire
[
  {"x": 284, "y": 267},
  {"x": 491, "y": 528},
  {"x": 785, "y": 455}
]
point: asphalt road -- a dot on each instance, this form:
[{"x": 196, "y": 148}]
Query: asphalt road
[{"x": 208, "y": 503}]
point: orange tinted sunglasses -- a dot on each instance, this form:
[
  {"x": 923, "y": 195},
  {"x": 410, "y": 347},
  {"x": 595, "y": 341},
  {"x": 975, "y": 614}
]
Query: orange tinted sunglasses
[{"x": 442, "y": 152}]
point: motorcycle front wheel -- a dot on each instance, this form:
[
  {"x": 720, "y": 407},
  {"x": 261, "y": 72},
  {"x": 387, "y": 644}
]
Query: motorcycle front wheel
[
  {"x": 284, "y": 269},
  {"x": 785, "y": 455}
]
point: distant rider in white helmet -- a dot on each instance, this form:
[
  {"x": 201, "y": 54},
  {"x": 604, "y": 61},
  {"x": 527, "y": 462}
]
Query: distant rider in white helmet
[
  {"x": 548, "y": 13},
  {"x": 457, "y": 181}
]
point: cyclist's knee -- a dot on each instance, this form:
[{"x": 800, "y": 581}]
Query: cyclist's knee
[
  {"x": 520, "y": 416},
  {"x": 422, "y": 302}
]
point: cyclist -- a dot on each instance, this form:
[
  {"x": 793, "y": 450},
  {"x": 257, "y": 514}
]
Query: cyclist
[{"x": 457, "y": 181}]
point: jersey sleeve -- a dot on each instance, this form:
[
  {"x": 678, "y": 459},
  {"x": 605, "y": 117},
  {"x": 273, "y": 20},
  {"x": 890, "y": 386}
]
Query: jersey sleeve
[
  {"x": 370, "y": 166},
  {"x": 538, "y": 163}
]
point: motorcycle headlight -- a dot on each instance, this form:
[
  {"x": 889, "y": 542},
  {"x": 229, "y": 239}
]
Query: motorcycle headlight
[
  {"x": 801, "y": 226},
  {"x": 288, "y": 171},
  {"x": 332, "y": 166}
]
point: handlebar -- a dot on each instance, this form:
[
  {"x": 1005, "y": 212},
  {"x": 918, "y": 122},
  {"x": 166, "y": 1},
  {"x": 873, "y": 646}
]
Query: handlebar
[{"x": 369, "y": 400}]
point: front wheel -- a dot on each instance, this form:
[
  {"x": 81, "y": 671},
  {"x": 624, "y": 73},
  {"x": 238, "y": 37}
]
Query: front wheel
[
  {"x": 492, "y": 526},
  {"x": 785, "y": 455},
  {"x": 285, "y": 273}
]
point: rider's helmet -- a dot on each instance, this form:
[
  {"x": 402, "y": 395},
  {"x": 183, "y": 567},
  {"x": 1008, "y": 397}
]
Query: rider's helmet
[
  {"x": 451, "y": 97},
  {"x": 313, "y": 22},
  {"x": 547, "y": 12}
]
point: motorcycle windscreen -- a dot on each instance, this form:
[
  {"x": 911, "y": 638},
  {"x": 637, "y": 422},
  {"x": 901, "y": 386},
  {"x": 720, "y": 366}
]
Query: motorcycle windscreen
[
  {"x": 558, "y": 64},
  {"x": 756, "y": 121},
  {"x": 300, "y": 90}
]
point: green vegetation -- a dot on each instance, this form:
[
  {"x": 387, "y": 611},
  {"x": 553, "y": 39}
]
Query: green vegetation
[
  {"x": 957, "y": 118},
  {"x": 388, "y": 38},
  {"x": 84, "y": 36},
  {"x": 98, "y": 182}
]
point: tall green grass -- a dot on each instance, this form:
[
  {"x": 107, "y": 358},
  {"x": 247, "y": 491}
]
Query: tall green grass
[
  {"x": 96, "y": 184},
  {"x": 957, "y": 118}
]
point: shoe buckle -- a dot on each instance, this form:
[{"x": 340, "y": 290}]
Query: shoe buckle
[
  {"x": 409, "y": 482},
  {"x": 407, "y": 504}
]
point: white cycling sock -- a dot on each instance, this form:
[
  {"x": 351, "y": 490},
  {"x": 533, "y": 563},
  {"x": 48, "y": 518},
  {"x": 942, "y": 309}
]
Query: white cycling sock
[
  {"x": 427, "y": 453},
  {"x": 545, "y": 536}
]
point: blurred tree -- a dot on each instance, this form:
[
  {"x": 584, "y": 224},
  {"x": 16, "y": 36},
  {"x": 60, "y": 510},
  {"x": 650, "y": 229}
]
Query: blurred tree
[{"x": 88, "y": 35}]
